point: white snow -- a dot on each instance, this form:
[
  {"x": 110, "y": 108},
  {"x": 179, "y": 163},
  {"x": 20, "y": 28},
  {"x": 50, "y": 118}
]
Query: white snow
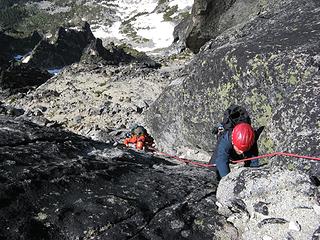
[
  {"x": 26, "y": 59},
  {"x": 149, "y": 25},
  {"x": 182, "y": 4},
  {"x": 107, "y": 32},
  {"x": 153, "y": 27}
]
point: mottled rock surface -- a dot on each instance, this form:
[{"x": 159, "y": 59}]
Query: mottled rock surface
[
  {"x": 58, "y": 185},
  {"x": 270, "y": 66},
  {"x": 66, "y": 50},
  {"x": 95, "y": 53},
  {"x": 270, "y": 203},
  {"x": 209, "y": 18},
  {"x": 90, "y": 99}
]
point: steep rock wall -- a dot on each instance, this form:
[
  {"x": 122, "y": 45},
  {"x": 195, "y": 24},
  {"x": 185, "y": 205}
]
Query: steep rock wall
[
  {"x": 210, "y": 18},
  {"x": 270, "y": 66}
]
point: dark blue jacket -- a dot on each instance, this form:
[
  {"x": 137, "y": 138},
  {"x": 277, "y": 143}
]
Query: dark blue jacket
[{"x": 224, "y": 152}]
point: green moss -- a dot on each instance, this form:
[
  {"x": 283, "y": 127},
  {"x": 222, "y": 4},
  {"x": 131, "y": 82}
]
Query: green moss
[
  {"x": 264, "y": 119},
  {"x": 267, "y": 144},
  {"x": 224, "y": 93},
  {"x": 291, "y": 167},
  {"x": 259, "y": 67},
  {"x": 293, "y": 79},
  {"x": 232, "y": 62},
  {"x": 199, "y": 222}
]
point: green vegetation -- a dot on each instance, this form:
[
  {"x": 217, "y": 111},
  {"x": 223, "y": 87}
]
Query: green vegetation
[
  {"x": 183, "y": 15},
  {"x": 224, "y": 93},
  {"x": 11, "y": 17},
  {"x": 267, "y": 144},
  {"x": 127, "y": 29},
  {"x": 9, "y": 3},
  {"x": 28, "y": 18},
  {"x": 131, "y": 51},
  {"x": 162, "y": 2},
  {"x": 169, "y": 12},
  {"x": 46, "y": 22}
]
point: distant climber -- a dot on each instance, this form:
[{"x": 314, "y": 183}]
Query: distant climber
[
  {"x": 236, "y": 139},
  {"x": 139, "y": 138}
]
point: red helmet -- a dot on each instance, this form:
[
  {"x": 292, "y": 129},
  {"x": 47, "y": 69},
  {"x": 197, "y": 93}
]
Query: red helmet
[{"x": 243, "y": 136}]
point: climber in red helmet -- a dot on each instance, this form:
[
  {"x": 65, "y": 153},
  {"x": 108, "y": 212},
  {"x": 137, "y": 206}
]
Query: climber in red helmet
[{"x": 236, "y": 143}]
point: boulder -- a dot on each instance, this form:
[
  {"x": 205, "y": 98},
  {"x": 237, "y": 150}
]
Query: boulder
[
  {"x": 270, "y": 66},
  {"x": 66, "y": 50},
  {"x": 58, "y": 185},
  {"x": 270, "y": 203},
  {"x": 95, "y": 52},
  {"x": 209, "y": 18}
]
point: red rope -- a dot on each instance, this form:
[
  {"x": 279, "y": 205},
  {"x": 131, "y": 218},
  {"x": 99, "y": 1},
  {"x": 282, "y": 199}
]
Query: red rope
[{"x": 239, "y": 161}]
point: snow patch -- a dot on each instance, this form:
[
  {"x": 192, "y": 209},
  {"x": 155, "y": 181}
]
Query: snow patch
[
  {"x": 182, "y": 4},
  {"x": 26, "y": 59},
  {"x": 153, "y": 27},
  {"x": 144, "y": 22}
]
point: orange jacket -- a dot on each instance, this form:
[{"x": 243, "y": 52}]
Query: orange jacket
[{"x": 134, "y": 139}]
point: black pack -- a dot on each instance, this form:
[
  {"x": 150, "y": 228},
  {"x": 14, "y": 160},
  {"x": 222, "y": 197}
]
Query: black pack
[{"x": 232, "y": 116}]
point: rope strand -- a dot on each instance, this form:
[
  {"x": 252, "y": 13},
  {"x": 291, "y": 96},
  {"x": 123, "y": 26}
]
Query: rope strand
[{"x": 238, "y": 161}]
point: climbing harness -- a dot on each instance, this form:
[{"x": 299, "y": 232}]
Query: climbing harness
[{"x": 188, "y": 161}]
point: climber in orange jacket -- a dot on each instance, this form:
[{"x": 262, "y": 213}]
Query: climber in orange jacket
[{"x": 139, "y": 137}]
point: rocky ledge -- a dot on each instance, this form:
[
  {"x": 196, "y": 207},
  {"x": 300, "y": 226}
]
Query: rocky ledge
[
  {"x": 58, "y": 185},
  {"x": 271, "y": 203}
]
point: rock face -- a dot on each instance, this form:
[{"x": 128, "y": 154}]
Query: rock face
[
  {"x": 16, "y": 77},
  {"x": 66, "y": 50},
  {"x": 58, "y": 185},
  {"x": 210, "y": 18},
  {"x": 9, "y": 46},
  {"x": 95, "y": 53},
  {"x": 21, "y": 77},
  {"x": 270, "y": 203},
  {"x": 274, "y": 54},
  {"x": 91, "y": 98}
]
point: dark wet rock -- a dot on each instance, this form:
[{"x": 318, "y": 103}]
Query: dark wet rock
[
  {"x": 66, "y": 50},
  {"x": 315, "y": 180},
  {"x": 21, "y": 77},
  {"x": 11, "y": 111},
  {"x": 261, "y": 207},
  {"x": 271, "y": 221},
  {"x": 58, "y": 185},
  {"x": 316, "y": 234},
  {"x": 269, "y": 66},
  {"x": 10, "y": 46}
]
